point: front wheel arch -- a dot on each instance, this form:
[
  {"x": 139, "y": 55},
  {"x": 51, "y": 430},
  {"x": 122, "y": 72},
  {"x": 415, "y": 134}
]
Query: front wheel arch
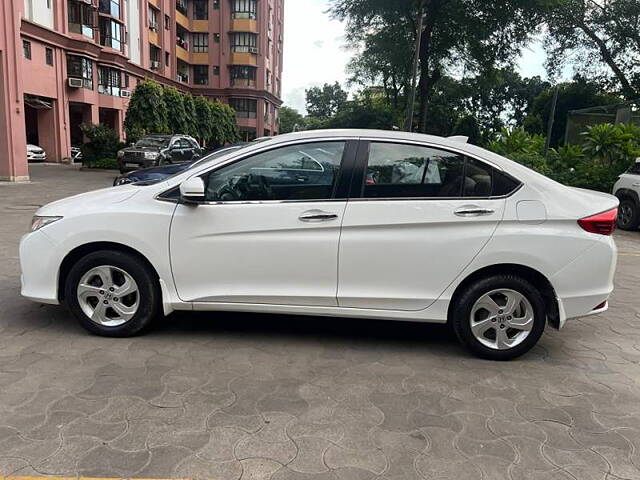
[
  {"x": 536, "y": 278},
  {"x": 77, "y": 253}
]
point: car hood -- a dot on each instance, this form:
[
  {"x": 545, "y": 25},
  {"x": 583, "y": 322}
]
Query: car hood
[
  {"x": 141, "y": 149},
  {"x": 33, "y": 148},
  {"x": 98, "y": 200}
]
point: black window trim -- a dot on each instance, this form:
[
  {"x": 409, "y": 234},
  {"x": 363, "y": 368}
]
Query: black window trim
[
  {"x": 358, "y": 181},
  {"x": 340, "y": 189}
]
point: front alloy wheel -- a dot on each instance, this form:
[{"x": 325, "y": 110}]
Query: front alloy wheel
[
  {"x": 108, "y": 295},
  {"x": 628, "y": 215},
  {"x": 112, "y": 293}
]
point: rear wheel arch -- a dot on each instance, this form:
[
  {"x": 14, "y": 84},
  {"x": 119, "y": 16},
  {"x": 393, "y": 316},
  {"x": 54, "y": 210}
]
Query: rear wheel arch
[
  {"x": 77, "y": 253},
  {"x": 625, "y": 193},
  {"x": 540, "y": 281}
]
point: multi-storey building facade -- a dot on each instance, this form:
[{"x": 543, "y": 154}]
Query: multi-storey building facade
[{"x": 68, "y": 62}]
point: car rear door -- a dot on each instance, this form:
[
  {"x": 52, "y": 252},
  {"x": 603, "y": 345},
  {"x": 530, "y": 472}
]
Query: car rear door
[
  {"x": 260, "y": 240},
  {"x": 418, "y": 216}
]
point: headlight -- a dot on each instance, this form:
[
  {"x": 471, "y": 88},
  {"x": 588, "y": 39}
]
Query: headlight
[
  {"x": 151, "y": 155},
  {"x": 38, "y": 222},
  {"x": 120, "y": 153}
]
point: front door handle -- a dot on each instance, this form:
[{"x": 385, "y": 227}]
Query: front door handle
[
  {"x": 473, "y": 211},
  {"x": 637, "y": 184},
  {"x": 314, "y": 216}
]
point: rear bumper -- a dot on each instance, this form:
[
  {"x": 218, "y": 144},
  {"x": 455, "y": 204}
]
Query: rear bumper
[{"x": 583, "y": 286}]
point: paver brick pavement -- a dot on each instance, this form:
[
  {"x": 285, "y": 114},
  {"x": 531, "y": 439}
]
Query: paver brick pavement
[{"x": 246, "y": 396}]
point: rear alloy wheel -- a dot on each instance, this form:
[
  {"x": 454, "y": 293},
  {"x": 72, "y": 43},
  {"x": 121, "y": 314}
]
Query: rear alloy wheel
[
  {"x": 500, "y": 317},
  {"x": 628, "y": 215},
  {"x": 112, "y": 293}
]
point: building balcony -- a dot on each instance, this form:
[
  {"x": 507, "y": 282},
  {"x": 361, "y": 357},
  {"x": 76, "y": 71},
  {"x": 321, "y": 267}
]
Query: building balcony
[
  {"x": 238, "y": 58},
  {"x": 244, "y": 25},
  {"x": 153, "y": 37},
  {"x": 182, "y": 53}
]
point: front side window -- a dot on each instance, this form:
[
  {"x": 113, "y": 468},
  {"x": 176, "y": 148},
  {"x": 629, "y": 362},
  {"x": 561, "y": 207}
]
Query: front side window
[
  {"x": 80, "y": 16},
  {"x": 399, "y": 170},
  {"x": 109, "y": 81},
  {"x": 243, "y": 75},
  {"x": 242, "y": 42},
  {"x": 297, "y": 172},
  {"x": 26, "y": 49},
  {"x": 244, "y": 9},
  {"x": 200, "y": 42},
  {"x": 201, "y": 10},
  {"x": 244, "y": 107},
  {"x": 81, "y": 67},
  {"x": 201, "y": 74},
  {"x": 110, "y": 33}
]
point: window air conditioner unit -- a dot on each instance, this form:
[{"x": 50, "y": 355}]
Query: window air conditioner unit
[
  {"x": 155, "y": 65},
  {"x": 75, "y": 82},
  {"x": 125, "y": 93}
]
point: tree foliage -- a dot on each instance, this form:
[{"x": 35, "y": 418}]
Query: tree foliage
[
  {"x": 157, "y": 109},
  {"x": 103, "y": 143},
  {"x": 573, "y": 95},
  {"x": 147, "y": 112},
  {"x": 290, "y": 118},
  {"x": 472, "y": 34},
  {"x": 592, "y": 34},
  {"x": 324, "y": 102}
]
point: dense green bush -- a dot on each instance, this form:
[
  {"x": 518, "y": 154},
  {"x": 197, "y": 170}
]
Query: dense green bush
[
  {"x": 157, "y": 109},
  {"x": 607, "y": 151},
  {"x": 105, "y": 163},
  {"x": 103, "y": 142}
]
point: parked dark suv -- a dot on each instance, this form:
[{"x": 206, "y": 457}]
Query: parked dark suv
[{"x": 154, "y": 150}]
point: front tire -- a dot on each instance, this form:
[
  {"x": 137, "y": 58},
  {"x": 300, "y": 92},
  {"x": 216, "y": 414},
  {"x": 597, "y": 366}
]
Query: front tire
[
  {"x": 628, "y": 215},
  {"x": 112, "y": 293},
  {"x": 499, "y": 317}
]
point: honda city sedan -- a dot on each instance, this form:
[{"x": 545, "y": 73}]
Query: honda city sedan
[{"x": 353, "y": 223}]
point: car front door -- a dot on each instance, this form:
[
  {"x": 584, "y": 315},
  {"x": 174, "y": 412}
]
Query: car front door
[
  {"x": 421, "y": 214},
  {"x": 176, "y": 151},
  {"x": 260, "y": 240}
]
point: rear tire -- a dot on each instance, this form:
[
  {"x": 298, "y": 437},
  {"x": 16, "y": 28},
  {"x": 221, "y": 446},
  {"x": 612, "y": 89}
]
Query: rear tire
[
  {"x": 499, "y": 317},
  {"x": 112, "y": 293},
  {"x": 628, "y": 215}
]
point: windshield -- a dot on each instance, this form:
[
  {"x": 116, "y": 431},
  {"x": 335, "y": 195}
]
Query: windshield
[{"x": 153, "y": 142}]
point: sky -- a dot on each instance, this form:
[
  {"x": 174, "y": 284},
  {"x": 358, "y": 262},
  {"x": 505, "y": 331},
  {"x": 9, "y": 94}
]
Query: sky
[{"x": 315, "y": 53}]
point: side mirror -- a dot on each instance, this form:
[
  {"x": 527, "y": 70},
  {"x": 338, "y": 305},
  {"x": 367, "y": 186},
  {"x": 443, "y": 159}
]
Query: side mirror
[{"x": 192, "y": 190}]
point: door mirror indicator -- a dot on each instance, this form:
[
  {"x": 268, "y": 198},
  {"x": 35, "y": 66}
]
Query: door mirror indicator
[{"x": 192, "y": 190}]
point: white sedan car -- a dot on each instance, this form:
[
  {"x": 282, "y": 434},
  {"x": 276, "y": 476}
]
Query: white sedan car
[{"x": 353, "y": 223}]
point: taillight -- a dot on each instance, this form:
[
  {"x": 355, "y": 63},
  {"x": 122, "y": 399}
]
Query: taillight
[{"x": 601, "y": 223}]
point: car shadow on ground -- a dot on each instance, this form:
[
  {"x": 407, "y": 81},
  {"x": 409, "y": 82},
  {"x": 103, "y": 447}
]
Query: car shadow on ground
[{"x": 300, "y": 329}]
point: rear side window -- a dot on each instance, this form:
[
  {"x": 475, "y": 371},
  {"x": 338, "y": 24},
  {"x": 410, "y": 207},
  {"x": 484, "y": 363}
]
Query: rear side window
[
  {"x": 411, "y": 171},
  {"x": 635, "y": 169}
]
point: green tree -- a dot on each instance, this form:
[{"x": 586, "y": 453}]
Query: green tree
[
  {"x": 475, "y": 34},
  {"x": 147, "y": 112},
  {"x": 191, "y": 124},
  {"x": 593, "y": 33},
  {"x": 177, "y": 115},
  {"x": 203, "y": 125},
  {"x": 289, "y": 119},
  {"x": 103, "y": 143},
  {"x": 324, "y": 102},
  {"x": 573, "y": 95}
]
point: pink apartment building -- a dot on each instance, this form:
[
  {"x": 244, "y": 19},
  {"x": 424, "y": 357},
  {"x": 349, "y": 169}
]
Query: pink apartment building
[{"x": 68, "y": 62}]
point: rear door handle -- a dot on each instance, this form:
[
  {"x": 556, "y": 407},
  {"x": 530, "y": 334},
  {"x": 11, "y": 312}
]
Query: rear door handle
[
  {"x": 315, "y": 216},
  {"x": 473, "y": 211}
]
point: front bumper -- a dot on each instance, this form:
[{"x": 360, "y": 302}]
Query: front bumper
[
  {"x": 39, "y": 264},
  {"x": 41, "y": 157}
]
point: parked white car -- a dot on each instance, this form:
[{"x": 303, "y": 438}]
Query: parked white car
[
  {"x": 352, "y": 223},
  {"x": 35, "y": 153},
  {"x": 627, "y": 189}
]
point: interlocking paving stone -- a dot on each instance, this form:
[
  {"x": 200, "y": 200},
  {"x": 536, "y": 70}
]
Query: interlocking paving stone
[{"x": 246, "y": 396}]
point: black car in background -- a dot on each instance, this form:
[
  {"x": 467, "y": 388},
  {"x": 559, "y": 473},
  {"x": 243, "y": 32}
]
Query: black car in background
[
  {"x": 157, "y": 174},
  {"x": 158, "y": 150}
]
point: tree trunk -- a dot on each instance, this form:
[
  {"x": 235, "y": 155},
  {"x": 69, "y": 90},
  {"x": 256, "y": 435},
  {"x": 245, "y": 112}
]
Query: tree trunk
[{"x": 427, "y": 83}]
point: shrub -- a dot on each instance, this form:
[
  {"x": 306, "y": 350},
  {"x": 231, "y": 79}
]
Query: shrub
[
  {"x": 516, "y": 141},
  {"x": 104, "y": 142},
  {"x": 105, "y": 163}
]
